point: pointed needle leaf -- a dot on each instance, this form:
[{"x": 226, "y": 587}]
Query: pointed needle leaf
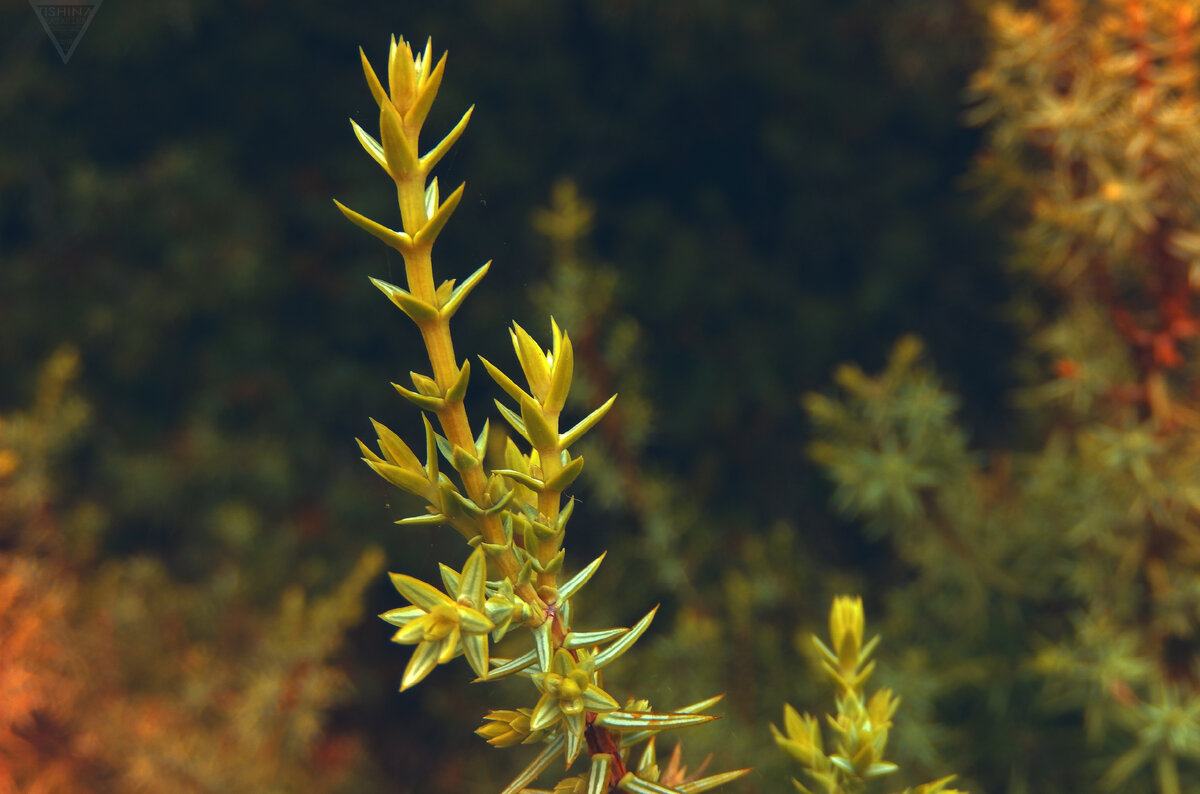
[
  {"x": 541, "y": 434},
  {"x": 438, "y": 152},
  {"x": 712, "y": 781},
  {"x": 575, "y": 433},
  {"x": 437, "y": 221},
  {"x": 505, "y": 382},
  {"x": 423, "y": 660},
  {"x": 372, "y": 146},
  {"x": 426, "y": 520},
  {"x": 401, "y": 160},
  {"x": 636, "y": 785},
  {"x": 537, "y": 766},
  {"x": 373, "y": 80},
  {"x": 394, "y": 448},
  {"x": 561, "y": 481},
  {"x": 398, "y": 240},
  {"x": 577, "y": 581},
  {"x": 474, "y": 578},
  {"x": 462, "y": 290},
  {"x": 414, "y": 117},
  {"x": 419, "y": 593},
  {"x": 512, "y": 665},
  {"x": 531, "y": 483},
  {"x": 543, "y": 646},
  {"x": 597, "y": 782},
  {"x": 450, "y": 578},
  {"x": 626, "y": 641},
  {"x": 586, "y": 639},
  {"x": 652, "y": 721},
  {"x": 561, "y": 374},
  {"x": 408, "y": 303},
  {"x": 510, "y": 416}
]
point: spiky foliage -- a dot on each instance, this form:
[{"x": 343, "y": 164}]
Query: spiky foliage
[
  {"x": 861, "y": 724},
  {"x": 1065, "y": 569},
  {"x": 511, "y": 514}
]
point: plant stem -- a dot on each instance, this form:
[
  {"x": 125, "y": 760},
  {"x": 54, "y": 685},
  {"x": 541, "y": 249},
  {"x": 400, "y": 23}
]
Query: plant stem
[{"x": 418, "y": 267}]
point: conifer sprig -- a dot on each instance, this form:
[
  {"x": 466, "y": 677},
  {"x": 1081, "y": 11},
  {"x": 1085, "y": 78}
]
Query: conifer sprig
[
  {"x": 512, "y": 515},
  {"x": 861, "y": 725}
]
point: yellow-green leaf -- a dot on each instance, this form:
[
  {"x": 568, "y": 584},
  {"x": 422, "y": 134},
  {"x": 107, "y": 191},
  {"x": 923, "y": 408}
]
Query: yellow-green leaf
[
  {"x": 423, "y": 660},
  {"x": 398, "y": 240},
  {"x": 438, "y": 152},
  {"x": 419, "y": 593},
  {"x": 575, "y": 433}
]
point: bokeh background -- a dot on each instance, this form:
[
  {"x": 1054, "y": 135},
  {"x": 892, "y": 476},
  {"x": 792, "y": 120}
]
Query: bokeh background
[{"x": 776, "y": 185}]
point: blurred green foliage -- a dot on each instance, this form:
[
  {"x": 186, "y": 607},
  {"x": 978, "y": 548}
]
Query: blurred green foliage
[{"x": 1054, "y": 576}]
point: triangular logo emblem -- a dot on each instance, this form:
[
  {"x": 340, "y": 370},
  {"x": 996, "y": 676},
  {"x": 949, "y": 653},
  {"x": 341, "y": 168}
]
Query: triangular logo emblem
[{"x": 65, "y": 21}]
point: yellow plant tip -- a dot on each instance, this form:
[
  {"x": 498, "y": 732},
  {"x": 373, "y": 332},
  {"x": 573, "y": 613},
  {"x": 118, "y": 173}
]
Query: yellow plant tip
[
  {"x": 416, "y": 309},
  {"x": 474, "y": 578},
  {"x": 528, "y": 481},
  {"x": 561, "y": 481},
  {"x": 401, "y": 616},
  {"x": 651, "y": 721},
  {"x": 597, "y": 781},
  {"x": 577, "y": 581},
  {"x": 431, "y": 450},
  {"x": 846, "y": 628},
  {"x": 458, "y": 389},
  {"x": 474, "y": 622},
  {"x": 399, "y": 151},
  {"x": 537, "y": 766},
  {"x": 368, "y": 455},
  {"x": 433, "y": 227},
  {"x": 434, "y": 155},
  {"x": 419, "y": 594},
  {"x": 636, "y": 785},
  {"x": 425, "y": 385},
  {"x": 423, "y": 660},
  {"x": 545, "y": 713},
  {"x": 517, "y": 422},
  {"x": 459, "y": 293},
  {"x": 711, "y": 782},
  {"x": 422, "y": 62},
  {"x": 424, "y": 402},
  {"x": 532, "y": 360},
  {"x": 431, "y": 197},
  {"x": 626, "y": 641},
  {"x": 562, "y": 371},
  {"x": 596, "y": 699},
  {"x": 394, "y": 448},
  {"x": 428, "y": 519},
  {"x": 402, "y": 478},
  {"x": 402, "y": 76},
  {"x": 376, "y": 87},
  {"x": 370, "y": 145},
  {"x": 505, "y": 382},
  {"x": 574, "y": 737},
  {"x": 427, "y": 91},
  {"x": 589, "y": 639},
  {"x": 542, "y": 434},
  {"x": 398, "y": 240},
  {"x": 591, "y": 420}
]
